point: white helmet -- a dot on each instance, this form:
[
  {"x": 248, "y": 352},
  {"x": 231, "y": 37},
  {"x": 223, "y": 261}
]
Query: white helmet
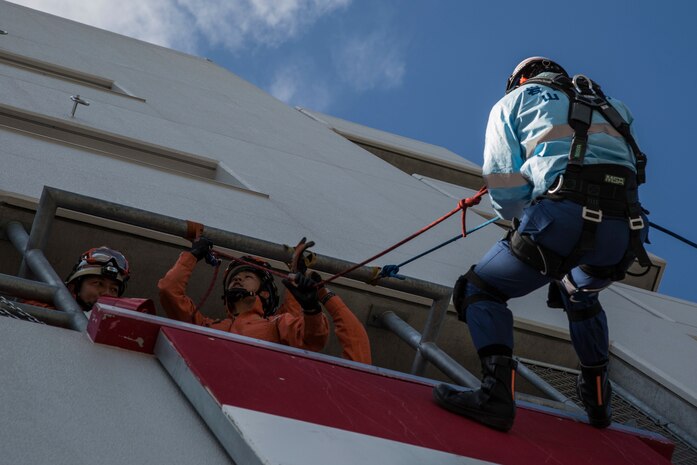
[
  {"x": 102, "y": 261},
  {"x": 531, "y": 67}
]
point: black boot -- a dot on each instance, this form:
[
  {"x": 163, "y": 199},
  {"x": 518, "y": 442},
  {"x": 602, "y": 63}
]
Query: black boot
[
  {"x": 492, "y": 404},
  {"x": 595, "y": 391}
]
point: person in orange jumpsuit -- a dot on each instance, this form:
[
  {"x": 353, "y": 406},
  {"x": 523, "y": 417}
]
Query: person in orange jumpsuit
[
  {"x": 100, "y": 271},
  {"x": 350, "y": 332},
  {"x": 251, "y": 302}
]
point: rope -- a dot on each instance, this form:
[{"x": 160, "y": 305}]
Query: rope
[
  {"x": 250, "y": 264},
  {"x": 463, "y": 205},
  {"x": 671, "y": 233},
  {"x": 210, "y": 287},
  {"x": 391, "y": 271}
]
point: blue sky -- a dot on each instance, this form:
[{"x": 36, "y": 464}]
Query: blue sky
[{"x": 431, "y": 70}]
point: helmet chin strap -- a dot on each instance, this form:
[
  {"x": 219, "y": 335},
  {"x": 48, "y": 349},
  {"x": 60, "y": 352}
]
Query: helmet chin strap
[
  {"x": 77, "y": 288},
  {"x": 236, "y": 294},
  {"x": 84, "y": 305}
]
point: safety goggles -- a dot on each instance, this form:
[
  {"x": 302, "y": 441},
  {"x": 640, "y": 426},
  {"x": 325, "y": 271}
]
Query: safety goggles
[{"x": 106, "y": 256}]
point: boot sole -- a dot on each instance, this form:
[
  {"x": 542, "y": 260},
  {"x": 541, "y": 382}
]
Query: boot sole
[
  {"x": 498, "y": 423},
  {"x": 600, "y": 424}
]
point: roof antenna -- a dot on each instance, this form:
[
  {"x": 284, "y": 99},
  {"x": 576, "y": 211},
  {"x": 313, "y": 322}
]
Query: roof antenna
[{"x": 78, "y": 100}]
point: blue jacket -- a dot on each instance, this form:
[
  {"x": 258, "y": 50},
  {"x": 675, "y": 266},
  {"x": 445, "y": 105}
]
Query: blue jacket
[{"x": 528, "y": 140}]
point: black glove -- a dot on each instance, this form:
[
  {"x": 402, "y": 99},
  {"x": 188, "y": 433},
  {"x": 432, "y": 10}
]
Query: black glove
[
  {"x": 327, "y": 294},
  {"x": 304, "y": 290},
  {"x": 316, "y": 278},
  {"x": 201, "y": 247}
]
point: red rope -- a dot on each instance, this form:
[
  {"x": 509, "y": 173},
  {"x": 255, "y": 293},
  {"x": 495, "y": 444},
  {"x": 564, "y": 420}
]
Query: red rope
[
  {"x": 235, "y": 259},
  {"x": 250, "y": 264},
  {"x": 210, "y": 289},
  {"x": 463, "y": 205},
  {"x": 469, "y": 202}
]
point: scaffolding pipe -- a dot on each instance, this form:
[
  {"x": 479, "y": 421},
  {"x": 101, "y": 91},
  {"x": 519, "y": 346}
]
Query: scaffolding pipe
[
  {"x": 48, "y": 316},
  {"x": 40, "y": 266},
  {"x": 655, "y": 416},
  {"x": 546, "y": 388},
  {"x": 454, "y": 370},
  {"x": 430, "y": 351},
  {"x": 430, "y": 333},
  {"x": 41, "y": 227},
  {"x": 26, "y": 288},
  {"x": 179, "y": 228}
]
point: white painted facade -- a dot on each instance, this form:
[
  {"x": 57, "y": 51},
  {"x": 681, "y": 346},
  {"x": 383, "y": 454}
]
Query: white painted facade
[{"x": 294, "y": 176}]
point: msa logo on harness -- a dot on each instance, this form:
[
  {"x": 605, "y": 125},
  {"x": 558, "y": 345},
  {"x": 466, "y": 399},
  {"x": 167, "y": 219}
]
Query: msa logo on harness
[{"x": 616, "y": 180}]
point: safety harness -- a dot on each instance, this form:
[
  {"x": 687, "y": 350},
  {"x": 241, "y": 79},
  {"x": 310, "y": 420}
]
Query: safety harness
[{"x": 602, "y": 189}]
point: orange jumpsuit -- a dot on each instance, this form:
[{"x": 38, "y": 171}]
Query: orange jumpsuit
[
  {"x": 36, "y": 303},
  {"x": 350, "y": 332},
  {"x": 289, "y": 326}
]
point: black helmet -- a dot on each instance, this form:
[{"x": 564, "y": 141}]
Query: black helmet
[
  {"x": 256, "y": 266},
  {"x": 101, "y": 261},
  {"x": 531, "y": 67}
]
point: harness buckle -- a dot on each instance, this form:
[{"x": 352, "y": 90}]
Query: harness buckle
[
  {"x": 577, "y": 84},
  {"x": 557, "y": 185},
  {"x": 636, "y": 223},
  {"x": 596, "y": 216}
]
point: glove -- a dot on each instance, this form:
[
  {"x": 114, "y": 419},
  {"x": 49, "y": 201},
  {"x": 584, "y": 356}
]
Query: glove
[
  {"x": 323, "y": 292},
  {"x": 317, "y": 279},
  {"x": 201, "y": 247},
  {"x": 304, "y": 290},
  {"x": 301, "y": 257}
]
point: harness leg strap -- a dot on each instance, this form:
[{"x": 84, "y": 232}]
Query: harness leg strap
[
  {"x": 461, "y": 298},
  {"x": 538, "y": 257}
]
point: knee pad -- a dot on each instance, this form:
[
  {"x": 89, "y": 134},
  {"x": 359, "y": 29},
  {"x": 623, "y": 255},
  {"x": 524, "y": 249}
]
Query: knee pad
[
  {"x": 585, "y": 313},
  {"x": 462, "y": 298}
]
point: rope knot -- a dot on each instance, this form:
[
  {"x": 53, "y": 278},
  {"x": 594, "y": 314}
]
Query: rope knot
[
  {"x": 391, "y": 271},
  {"x": 464, "y": 204},
  {"x": 469, "y": 202},
  {"x": 474, "y": 200}
]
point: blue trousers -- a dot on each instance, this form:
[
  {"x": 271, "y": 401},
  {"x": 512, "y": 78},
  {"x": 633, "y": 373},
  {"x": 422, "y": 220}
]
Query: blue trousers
[{"x": 557, "y": 226}]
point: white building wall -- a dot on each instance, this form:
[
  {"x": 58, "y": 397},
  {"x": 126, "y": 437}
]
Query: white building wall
[
  {"x": 351, "y": 203},
  {"x": 315, "y": 182},
  {"x": 67, "y": 401}
]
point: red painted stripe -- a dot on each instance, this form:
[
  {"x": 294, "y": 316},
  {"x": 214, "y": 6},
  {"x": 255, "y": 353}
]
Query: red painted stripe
[{"x": 369, "y": 403}]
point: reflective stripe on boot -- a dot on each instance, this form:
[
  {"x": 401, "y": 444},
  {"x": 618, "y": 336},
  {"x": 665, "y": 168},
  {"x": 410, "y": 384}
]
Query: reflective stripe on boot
[
  {"x": 595, "y": 391},
  {"x": 493, "y": 404}
]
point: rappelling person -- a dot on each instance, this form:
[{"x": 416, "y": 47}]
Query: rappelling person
[
  {"x": 559, "y": 156},
  {"x": 251, "y": 301},
  {"x": 100, "y": 271}
]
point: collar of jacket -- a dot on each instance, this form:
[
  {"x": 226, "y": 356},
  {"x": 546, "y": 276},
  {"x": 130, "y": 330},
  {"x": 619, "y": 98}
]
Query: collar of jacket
[{"x": 256, "y": 311}]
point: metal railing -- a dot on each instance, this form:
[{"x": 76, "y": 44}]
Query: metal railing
[
  {"x": 446, "y": 364},
  {"x": 52, "y": 288}
]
